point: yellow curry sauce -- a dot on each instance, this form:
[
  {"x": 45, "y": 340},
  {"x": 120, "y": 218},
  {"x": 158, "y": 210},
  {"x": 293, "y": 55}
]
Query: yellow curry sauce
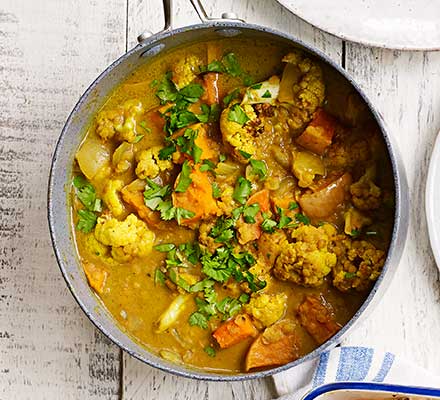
[{"x": 232, "y": 204}]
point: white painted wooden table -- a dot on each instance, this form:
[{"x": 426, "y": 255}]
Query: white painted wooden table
[{"x": 50, "y": 50}]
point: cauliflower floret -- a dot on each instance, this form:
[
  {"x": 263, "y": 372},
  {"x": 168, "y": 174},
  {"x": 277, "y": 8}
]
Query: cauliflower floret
[
  {"x": 128, "y": 238},
  {"x": 270, "y": 246},
  {"x": 186, "y": 70},
  {"x": 267, "y": 308},
  {"x": 111, "y": 197},
  {"x": 355, "y": 221},
  {"x": 239, "y": 136},
  {"x": 343, "y": 154},
  {"x": 307, "y": 260},
  {"x": 365, "y": 194},
  {"x": 95, "y": 248},
  {"x": 359, "y": 264},
  {"x": 302, "y": 86},
  {"x": 150, "y": 164},
  {"x": 120, "y": 122},
  {"x": 123, "y": 157}
]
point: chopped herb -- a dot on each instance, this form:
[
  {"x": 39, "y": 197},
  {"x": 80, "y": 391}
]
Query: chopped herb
[
  {"x": 183, "y": 284},
  {"x": 202, "y": 285},
  {"x": 231, "y": 64},
  {"x": 192, "y": 92},
  {"x": 187, "y": 144},
  {"x": 223, "y": 230},
  {"x": 181, "y": 213},
  {"x": 198, "y": 319},
  {"x": 222, "y": 158},
  {"x": 267, "y": 94},
  {"x": 247, "y": 79},
  {"x": 210, "y": 351},
  {"x": 167, "y": 152},
  {"x": 303, "y": 218},
  {"x": 209, "y": 113},
  {"x": 138, "y": 138},
  {"x": 144, "y": 126},
  {"x": 184, "y": 178},
  {"x": 86, "y": 220},
  {"x": 229, "y": 307},
  {"x": 242, "y": 190},
  {"x": 166, "y": 91},
  {"x": 244, "y": 298},
  {"x": 245, "y": 155},
  {"x": 293, "y": 205},
  {"x": 350, "y": 275},
  {"x": 154, "y": 83},
  {"x": 259, "y": 168},
  {"x": 256, "y": 86},
  {"x": 250, "y": 212},
  {"x": 268, "y": 225},
  {"x": 284, "y": 220},
  {"x": 208, "y": 165},
  {"x": 165, "y": 248},
  {"x": 216, "y": 192},
  {"x": 237, "y": 114},
  {"x": 355, "y": 233},
  {"x": 159, "y": 277},
  {"x": 154, "y": 194},
  {"x": 215, "y": 66},
  {"x": 231, "y": 96}
]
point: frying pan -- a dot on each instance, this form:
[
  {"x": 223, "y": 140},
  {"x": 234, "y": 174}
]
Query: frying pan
[{"x": 91, "y": 101}]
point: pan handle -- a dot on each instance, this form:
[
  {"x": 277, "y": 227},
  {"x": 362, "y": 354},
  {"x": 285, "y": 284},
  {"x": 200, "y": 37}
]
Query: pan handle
[{"x": 200, "y": 10}]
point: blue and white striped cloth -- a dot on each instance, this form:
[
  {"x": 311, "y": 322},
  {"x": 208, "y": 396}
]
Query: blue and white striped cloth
[{"x": 350, "y": 364}]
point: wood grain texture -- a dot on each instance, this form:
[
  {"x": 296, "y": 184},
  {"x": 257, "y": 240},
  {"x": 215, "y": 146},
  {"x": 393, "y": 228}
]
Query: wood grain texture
[{"x": 49, "y": 52}]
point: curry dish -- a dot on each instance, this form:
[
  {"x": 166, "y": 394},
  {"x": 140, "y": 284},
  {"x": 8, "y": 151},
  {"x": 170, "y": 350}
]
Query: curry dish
[{"x": 232, "y": 204}]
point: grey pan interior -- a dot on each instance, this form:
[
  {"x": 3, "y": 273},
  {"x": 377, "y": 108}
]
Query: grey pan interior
[{"x": 72, "y": 135}]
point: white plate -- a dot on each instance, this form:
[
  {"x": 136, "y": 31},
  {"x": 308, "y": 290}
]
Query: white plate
[
  {"x": 432, "y": 200},
  {"x": 394, "y": 24}
]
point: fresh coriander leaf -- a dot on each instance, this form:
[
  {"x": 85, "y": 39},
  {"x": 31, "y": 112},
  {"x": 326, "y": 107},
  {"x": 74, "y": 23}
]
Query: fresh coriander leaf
[
  {"x": 202, "y": 285},
  {"x": 244, "y": 298},
  {"x": 242, "y": 190},
  {"x": 268, "y": 225},
  {"x": 159, "y": 277},
  {"x": 350, "y": 275},
  {"x": 166, "y": 153},
  {"x": 293, "y": 205},
  {"x": 79, "y": 182},
  {"x": 181, "y": 213},
  {"x": 231, "y": 64},
  {"x": 165, "y": 247},
  {"x": 284, "y": 219},
  {"x": 154, "y": 83},
  {"x": 86, "y": 221},
  {"x": 222, "y": 158},
  {"x": 256, "y": 86},
  {"x": 145, "y": 127},
  {"x": 210, "y": 351},
  {"x": 192, "y": 92},
  {"x": 185, "y": 118},
  {"x": 237, "y": 114},
  {"x": 236, "y": 212},
  {"x": 355, "y": 233},
  {"x": 245, "y": 155},
  {"x": 215, "y": 66},
  {"x": 259, "y": 168},
  {"x": 267, "y": 94},
  {"x": 198, "y": 319},
  {"x": 216, "y": 192},
  {"x": 166, "y": 209},
  {"x": 250, "y": 212},
  {"x": 166, "y": 91},
  {"x": 303, "y": 218},
  {"x": 231, "y": 96},
  {"x": 207, "y": 165},
  {"x": 138, "y": 138},
  {"x": 183, "y": 284},
  {"x": 254, "y": 283},
  {"x": 184, "y": 178}
]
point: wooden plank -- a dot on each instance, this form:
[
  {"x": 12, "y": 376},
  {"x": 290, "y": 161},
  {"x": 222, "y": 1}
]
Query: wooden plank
[
  {"x": 49, "y": 51},
  {"x": 141, "y": 381},
  {"x": 404, "y": 87}
]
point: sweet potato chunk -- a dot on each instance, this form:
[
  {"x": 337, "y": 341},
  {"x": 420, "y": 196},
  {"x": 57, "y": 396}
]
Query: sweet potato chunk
[
  {"x": 133, "y": 195},
  {"x": 248, "y": 232},
  {"x": 96, "y": 275},
  {"x": 277, "y": 345},
  {"x": 234, "y": 331},
  {"x": 319, "y": 133},
  {"x": 324, "y": 202},
  {"x": 318, "y": 319},
  {"x": 197, "y": 198}
]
